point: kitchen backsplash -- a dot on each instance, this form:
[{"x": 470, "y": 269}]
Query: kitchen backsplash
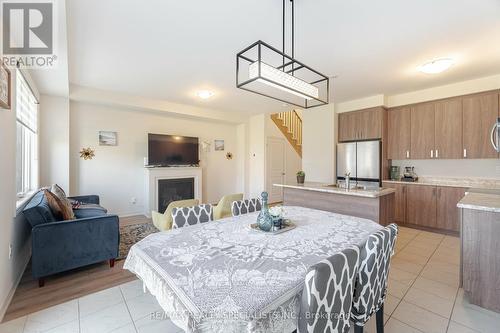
[{"x": 487, "y": 168}]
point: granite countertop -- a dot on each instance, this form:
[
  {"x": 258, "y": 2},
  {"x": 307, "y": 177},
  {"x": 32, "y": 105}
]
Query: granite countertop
[
  {"x": 480, "y": 201},
  {"x": 467, "y": 182},
  {"x": 322, "y": 187}
]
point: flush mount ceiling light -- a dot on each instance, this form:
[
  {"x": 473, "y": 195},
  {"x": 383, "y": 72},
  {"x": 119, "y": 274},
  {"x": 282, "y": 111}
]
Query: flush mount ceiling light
[
  {"x": 204, "y": 94},
  {"x": 267, "y": 71},
  {"x": 436, "y": 66}
]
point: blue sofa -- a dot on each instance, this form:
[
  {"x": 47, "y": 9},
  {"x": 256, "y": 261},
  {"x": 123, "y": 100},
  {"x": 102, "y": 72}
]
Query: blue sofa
[{"x": 59, "y": 246}]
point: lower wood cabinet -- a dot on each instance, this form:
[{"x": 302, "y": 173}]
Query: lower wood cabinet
[{"x": 427, "y": 206}]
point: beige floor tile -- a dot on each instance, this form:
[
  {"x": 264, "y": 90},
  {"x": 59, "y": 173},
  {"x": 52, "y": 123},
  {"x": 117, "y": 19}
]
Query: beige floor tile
[
  {"x": 401, "y": 276},
  {"x": 420, "y": 251},
  {"x": 457, "y": 328},
  {"x": 406, "y": 266},
  {"x": 451, "y": 242},
  {"x": 431, "y": 302},
  {"x": 450, "y": 279},
  {"x": 390, "y": 304},
  {"x": 396, "y": 288},
  {"x": 473, "y": 316},
  {"x": 420, "y": 318},
  {"x": 425, "y": 246},
  {"x": 410, "y": 257},
  {"x": 436, "y": 288},
  {"x": 395, "y": 326},
  {"x": 442, "y": 267},
  {"x": 450, "y": 259}
]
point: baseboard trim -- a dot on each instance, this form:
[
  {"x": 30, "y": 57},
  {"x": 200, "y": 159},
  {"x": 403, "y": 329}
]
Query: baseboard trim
[
  {"x": 5, "y": 306},
  {"x": 439, "y": 231}
]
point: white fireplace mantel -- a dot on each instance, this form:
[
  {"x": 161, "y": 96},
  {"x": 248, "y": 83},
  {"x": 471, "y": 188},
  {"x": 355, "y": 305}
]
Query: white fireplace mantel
[{"x": 153, "y": 175}]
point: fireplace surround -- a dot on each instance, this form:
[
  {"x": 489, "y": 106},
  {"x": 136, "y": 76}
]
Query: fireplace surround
[{"x": 175, "y": 183}]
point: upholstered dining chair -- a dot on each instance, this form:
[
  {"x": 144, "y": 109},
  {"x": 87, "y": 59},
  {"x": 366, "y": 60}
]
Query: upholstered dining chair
[
  {"x": 371, "y": 284},
  {"x": 187, "y": 216},
  {"x": 246, "y": 206},
  {"x": 163, "y": 221},
  {"x": 223, "y": 208},
  {"x": 327, "y": 296}
]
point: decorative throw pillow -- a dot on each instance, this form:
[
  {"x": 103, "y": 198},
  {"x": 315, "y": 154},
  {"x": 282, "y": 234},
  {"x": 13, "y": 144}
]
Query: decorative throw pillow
[
  {"x": 66, "y": 204},
  {"x": 55, "y": 204}
]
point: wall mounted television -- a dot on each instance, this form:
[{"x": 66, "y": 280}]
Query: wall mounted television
[{"x": 172, "y": 150}]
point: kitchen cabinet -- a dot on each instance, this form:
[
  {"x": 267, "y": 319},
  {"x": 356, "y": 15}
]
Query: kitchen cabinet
[
  {"x": 448, "y": 129},
  {"x": 361, "y": 125},
  {"x": 398, "y": 124},
  {"x": 399, "y": 201},
  {"x": 480, "y": 112},
  {"x": 447, "y": 212},
  {"x": 421, "y": 205},
  {"x": 422, "y": 131}
]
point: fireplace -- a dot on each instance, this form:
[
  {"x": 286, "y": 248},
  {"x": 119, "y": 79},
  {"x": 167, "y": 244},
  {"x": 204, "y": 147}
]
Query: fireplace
[{"x": 174, "y": 189}]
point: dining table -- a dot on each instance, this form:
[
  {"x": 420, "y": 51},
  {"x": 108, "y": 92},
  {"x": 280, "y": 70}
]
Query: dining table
[{"x": 224, "y": 276}]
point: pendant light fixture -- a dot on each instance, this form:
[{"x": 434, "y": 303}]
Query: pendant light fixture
[{"x": 267, "y": 71}]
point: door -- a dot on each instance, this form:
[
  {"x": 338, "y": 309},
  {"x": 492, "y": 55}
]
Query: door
[
  {"x": 346, "y": 159},
  {"x": 398, "y": 123},
  {"x": 448, "y": 129},
  {"x": 447, "y": 210},
  {"x": 422, "y": 131},
  {"x": 348, "y": 126},
  {"x": 399, "y": 201},
  {"x": 275, "y": 168},
  {"x": 368, "y": 160},
  {"x": 421, "y": 205},
  {"x": 479, "y": 114}
]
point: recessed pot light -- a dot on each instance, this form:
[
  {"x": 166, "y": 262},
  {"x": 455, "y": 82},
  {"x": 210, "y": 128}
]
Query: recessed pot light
[
  {"x": 436, "y": 66},
  {"x": 204, "y": 94}
]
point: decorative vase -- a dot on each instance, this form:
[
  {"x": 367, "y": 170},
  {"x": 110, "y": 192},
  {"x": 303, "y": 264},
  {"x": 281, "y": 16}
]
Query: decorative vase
[
  {"x": 300, "y": 179},
  {"x": 265, "y": 220}
]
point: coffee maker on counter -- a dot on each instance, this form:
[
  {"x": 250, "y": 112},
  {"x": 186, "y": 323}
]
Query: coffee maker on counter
[{"x": 409, "y": 175}]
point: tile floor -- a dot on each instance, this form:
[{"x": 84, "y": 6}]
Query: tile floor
[{"x": 423, "y": 296}]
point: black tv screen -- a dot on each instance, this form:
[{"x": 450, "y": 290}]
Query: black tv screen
[{"x": 166, "y": 150}]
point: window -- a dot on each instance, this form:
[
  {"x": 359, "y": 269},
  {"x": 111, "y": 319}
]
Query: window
[{"x": 27, "y": 137}]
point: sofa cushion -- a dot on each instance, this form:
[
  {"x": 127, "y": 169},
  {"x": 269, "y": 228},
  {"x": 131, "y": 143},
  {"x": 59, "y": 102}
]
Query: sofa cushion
[
  {"x": 37, "y": 210},
  {"x": 89, "y": 210},
  {"x": 67, "y": 208},
  {"x": 55, "y": 204}
]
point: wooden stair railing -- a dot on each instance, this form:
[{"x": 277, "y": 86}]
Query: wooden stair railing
[{"x": 290, "y": 124}]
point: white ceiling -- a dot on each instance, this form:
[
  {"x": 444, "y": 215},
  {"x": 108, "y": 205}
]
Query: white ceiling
[{"x": 168, "y": 49}]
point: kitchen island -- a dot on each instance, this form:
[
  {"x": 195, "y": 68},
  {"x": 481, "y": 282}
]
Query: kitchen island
[
  {"x": 480, "y": 258},
  {"x": 374, "y": 204}
]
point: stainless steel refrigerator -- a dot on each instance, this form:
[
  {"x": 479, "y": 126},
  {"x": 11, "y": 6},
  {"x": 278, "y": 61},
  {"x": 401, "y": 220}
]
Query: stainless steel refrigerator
[{"x": 362, "y": 159}]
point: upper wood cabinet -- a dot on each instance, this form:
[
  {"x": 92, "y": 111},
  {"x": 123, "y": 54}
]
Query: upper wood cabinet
[
  {"x": 479, "y": 114},
  {"x": 448, "y": 129},
  {"x": 361, "y": 125},
  {"x": 422, "y": 131},
  {"x": 398, "y": 124}
]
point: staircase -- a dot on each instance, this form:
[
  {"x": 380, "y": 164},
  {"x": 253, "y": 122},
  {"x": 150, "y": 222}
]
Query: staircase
[{"x": 290, "y": 124}]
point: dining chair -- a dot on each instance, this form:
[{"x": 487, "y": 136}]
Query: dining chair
[
  {"x": 187, "y": 216},
  {"x": 246, "y": 206},
  {"x": 223, "y": 208},
  {"x": 327, "y": 296},
  {"x": 163, "y": 221},
  {"x": 371, "y": 284}
]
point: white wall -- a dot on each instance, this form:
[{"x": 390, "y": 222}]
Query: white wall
[
  {"x": 256, "y": 155},
  {"x": 54, "y": 141},
  {"x": 319, "y": 141},
  {"x": 116, "y": 173},
  {"x": 293, "y": 161},
  {"x": 13, "y": 232}
]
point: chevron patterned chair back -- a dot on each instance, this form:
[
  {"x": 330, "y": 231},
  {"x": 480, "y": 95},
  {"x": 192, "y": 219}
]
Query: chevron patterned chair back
[
  {"x": 327, "y": 296},
  {"x": 187, "y": 216},
  {"x": 371, "y": 284},
  {"x": 246, "y": 206}
]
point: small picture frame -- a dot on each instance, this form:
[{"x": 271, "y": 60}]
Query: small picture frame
[
  {"x": 219, "y": 145},
  {"x": 107, "y": 138},
  {"x": 5, "y": 87}
]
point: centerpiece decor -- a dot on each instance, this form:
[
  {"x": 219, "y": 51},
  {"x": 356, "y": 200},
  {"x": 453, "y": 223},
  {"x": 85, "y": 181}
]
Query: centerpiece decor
[{"x": 265, "y": 220}]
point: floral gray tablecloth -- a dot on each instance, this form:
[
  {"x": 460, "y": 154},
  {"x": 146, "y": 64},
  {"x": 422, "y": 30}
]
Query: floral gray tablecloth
[{"x": 222, "y": 276}]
